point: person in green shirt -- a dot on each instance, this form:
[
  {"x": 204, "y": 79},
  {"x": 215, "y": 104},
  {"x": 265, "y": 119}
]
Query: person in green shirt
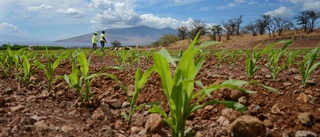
[
  {"x": 102, "y": 40},
  {"x": 94, "y": 41}
]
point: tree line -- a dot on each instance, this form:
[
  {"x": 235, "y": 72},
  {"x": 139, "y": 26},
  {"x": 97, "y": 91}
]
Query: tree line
[{"x": 271, "y": 25}]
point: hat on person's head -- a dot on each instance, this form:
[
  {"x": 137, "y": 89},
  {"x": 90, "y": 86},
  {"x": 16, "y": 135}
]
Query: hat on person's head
[{"x": 95, "y": 33}]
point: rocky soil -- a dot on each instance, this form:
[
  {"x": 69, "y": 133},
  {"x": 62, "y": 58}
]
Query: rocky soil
[{"x": 30, "y": 110}]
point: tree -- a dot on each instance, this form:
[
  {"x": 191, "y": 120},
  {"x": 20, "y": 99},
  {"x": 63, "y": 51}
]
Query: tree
[
  {"x": 263, "y": 23},
  {"x": 308, "y": 20},
  {"x": 167, "y": 39},
  {"x": 216, "y": 32},
  {"x": 229, "y": 28},
  {"x": 238, "y": 22},
  {"x": 116, "y": 43},
  {"x": 183, "y": 32},
  {"x": 197, "y": 26},
  {"x": 251, "y": 28},
  {"x": 281, "y": 23}
]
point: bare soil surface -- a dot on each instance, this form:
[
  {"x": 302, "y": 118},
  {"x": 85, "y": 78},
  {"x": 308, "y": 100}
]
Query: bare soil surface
[{"x": 30, "y": 110}]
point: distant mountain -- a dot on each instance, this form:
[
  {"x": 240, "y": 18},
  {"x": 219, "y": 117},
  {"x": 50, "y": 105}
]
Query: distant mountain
[{"x": 141, "y": 35}]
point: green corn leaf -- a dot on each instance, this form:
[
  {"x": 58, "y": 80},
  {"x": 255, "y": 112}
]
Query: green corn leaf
[
  {"x": 157, "y": 109},
  {"x": 163, "y": 69},
  {"x": 167, "y": 55},
  {"x": 84, "y": 65},
  {"x": 57, "y": 61},
  {"x": 208, "y": 44},
  {"x": 234, "y": 105}
]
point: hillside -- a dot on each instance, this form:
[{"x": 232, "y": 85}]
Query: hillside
[
  {"x": 141, "y": 35},
  {"x": 247, "y": 41}
]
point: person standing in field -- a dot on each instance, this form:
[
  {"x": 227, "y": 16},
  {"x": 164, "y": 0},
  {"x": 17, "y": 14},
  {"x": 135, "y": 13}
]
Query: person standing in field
[
  {"x": 102, "y": 40},
  {"x": 94, "y": 41}
]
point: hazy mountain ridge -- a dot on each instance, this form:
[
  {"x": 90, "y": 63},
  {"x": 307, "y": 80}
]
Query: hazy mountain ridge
[{"x": 141, "y": 35}]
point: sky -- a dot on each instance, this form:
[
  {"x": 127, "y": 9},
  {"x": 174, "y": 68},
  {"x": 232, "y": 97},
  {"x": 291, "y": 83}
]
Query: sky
[{"x": 52, "y": 20}]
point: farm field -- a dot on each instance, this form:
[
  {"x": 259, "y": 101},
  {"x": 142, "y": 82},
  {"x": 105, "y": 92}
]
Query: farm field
[{"x": 29, "y": 108}]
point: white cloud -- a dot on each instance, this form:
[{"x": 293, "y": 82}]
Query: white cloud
[
  {"x": 41, "y": 7},
  {"x": 157, "y": 22},
  {"x": 304, "y": 4},
  {"x": 121, "y": 14},
  {"x": 6, "y": 28},
  {"x": 71, "y": 12},
  {"x": 311, "y": 5},
  {"x": 230, "y": 5},
  {"x": 282, "y": 11},
  {"x": 111, "y": 15}
]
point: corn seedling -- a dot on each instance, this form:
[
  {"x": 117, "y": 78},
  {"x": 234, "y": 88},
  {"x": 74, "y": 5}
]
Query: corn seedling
[
  {"x": 18, "y": 61},
  {"x": 273, "y": 60},
  {"x": 308, "y": 65},
  {"x": 80, "y": 78},
  {"x": 8, "y": 61},
  {"x": 26, "y": 68},
  {"x": 252, "y": 59},
  {"x": 179, "y": 89},
  {"x": 50, "y": 66},
  {"x": 140, "y": 80},
  {"x": 220, "y": 56},
  {"x": 290, "y": 57}
]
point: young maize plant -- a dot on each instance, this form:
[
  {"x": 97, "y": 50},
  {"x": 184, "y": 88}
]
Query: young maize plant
[
  {"x": 26, "y": 67},
  {"x": 80, "y": 78},
  {"x": 140, "y": 80},
  {"x": 273, "y": 60},
  {"x": 179, "y": 89},
  {"x": 308, "y": 65},
  {"x": 8, "y": 61},
  {"x": 252, "y": 59},
  {"x": 50, "y": 66}
]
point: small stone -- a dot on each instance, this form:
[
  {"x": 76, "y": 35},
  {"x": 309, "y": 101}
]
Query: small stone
[
  {"x": 153, "y": 124},
  {"x": 98, "y": 114},
  {"x": 40, "y": 126},
  {"x": 66, "y": 128},
  {"x": 118, "y": 125},
  {"x": 305, "y": 119},
  {"x": 60, "y": 93},
  {"x": 33, "y": 79},
  {"x": 8, "y": 91},
  {"x": 17, "y": 108},
  {"x": 243, "y": 100},
  {"x": 222, "y": 121},
  {"x": 247, "y": 126},
  {"x": 293, "y": 70},
  {"x": 125, "y": 104},
  {"x": 226, "y": 112},
  {"x": 130, "y": 90},
  {"x": 106, "y": 110},
  {"x": 300, "y": 133},
  {"x": 303, "y": 98},
  {"x": 208, "y": 107},
  {"x": 268, "y": 76},
  {"x": 35, "y": 117},
  {"x": 298, "y": 77},
  {"x": 135, "y": 130},
  {"x": 60, "y": 86},
  {"x": 287, "y": 84},
  {"x": 308, "y": 91},
  {"x": 268, "y": 123},
  {"x": 275, "y": 110},
  {"x": 114, "y": 103},
  {"x": 142, "y": 133},
  {"x": 254, "y": 109}
]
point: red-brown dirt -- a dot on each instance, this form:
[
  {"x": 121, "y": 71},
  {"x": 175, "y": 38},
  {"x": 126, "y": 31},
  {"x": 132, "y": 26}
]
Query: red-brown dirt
[{"x": 30, "y": 110}]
